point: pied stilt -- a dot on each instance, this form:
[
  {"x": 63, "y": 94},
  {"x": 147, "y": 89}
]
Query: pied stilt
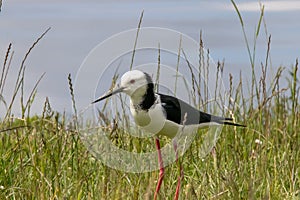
[{"x": 161, "y": 114}]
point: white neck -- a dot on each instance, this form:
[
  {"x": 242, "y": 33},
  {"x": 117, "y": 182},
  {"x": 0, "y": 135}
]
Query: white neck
[{"x": 138, "y": 95}]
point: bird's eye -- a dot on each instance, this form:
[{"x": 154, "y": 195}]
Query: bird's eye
[{"x": 132, "y": 81}]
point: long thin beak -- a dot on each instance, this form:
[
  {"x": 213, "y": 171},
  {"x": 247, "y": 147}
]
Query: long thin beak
[{"x": 115, "y": 91}]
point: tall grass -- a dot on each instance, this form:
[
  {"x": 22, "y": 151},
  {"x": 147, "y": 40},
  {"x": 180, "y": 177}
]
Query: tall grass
[{"x": 43, "y": 158}]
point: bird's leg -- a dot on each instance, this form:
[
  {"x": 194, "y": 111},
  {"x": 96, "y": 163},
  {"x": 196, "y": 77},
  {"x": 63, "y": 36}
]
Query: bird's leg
[
  {"x": 180, "y": 176},
  {"x": 161, "y": 168}
]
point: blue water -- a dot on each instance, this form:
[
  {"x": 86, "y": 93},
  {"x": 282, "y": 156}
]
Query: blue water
[{"x": 78, "y": 26}]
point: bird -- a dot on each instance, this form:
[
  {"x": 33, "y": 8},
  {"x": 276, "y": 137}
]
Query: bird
[{"x": 161, "y": 114}]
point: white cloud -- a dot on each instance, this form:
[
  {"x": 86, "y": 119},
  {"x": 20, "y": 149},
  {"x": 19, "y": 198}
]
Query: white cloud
[{"x": 273, "y": 6}]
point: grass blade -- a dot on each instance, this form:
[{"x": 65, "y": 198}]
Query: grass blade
[{"x": 136, "y": 39}]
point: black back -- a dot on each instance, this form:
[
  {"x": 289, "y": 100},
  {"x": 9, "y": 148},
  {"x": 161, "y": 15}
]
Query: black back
[{"x": 176, "y": 109}]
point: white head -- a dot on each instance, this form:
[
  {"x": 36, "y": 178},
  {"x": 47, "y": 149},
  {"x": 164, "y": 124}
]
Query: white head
[{"x": 134, "y": 83}]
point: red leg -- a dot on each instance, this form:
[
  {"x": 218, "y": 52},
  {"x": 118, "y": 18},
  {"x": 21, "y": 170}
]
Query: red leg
[
  {"x": 161, "y": 168},
  {"x": 180, "y": 176}
]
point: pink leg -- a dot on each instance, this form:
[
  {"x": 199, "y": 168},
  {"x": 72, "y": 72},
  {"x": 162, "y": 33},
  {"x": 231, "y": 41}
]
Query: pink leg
[
  {"x": 180, "y": 177},
  {"x": 161, "y": 168}
]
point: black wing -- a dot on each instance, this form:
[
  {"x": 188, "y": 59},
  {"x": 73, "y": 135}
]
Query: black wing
[{"x": 176, "y": 109}]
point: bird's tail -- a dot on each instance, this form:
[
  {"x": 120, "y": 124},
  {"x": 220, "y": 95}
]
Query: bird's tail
[
  {"x": 205, "y": 117},
  {"x": 227, "y": 121}
]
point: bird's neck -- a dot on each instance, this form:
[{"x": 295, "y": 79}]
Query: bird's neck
[{"x": 144, "y": 97}]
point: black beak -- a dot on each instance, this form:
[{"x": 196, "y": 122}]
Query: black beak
[{"x": 115, "y": 91}]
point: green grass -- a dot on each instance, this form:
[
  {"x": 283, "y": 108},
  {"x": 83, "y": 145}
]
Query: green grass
[{"x": 42, "y": 156}]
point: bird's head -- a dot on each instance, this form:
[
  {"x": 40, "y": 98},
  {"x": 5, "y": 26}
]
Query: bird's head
[{"x": 134, "y": 83}]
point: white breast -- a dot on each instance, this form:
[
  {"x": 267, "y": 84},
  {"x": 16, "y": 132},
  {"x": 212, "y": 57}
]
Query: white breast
[{"x": 152, "y": 120}]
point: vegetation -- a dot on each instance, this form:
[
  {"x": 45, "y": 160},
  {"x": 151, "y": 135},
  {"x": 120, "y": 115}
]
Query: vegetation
[{"x": 42, "y": 157}]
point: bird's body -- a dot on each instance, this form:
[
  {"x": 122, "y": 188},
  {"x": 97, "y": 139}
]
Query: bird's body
[
  {"x": 154, "y": 120},
  {"x": 166, "y": 116},
  {"x": 161, "y": 114}
]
